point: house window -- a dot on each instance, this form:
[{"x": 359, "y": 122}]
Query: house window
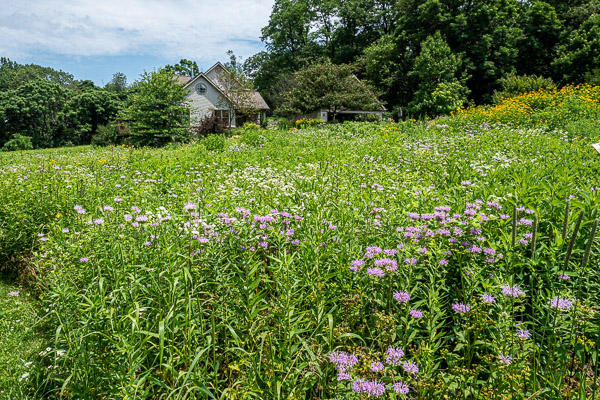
[{"x": 201, "y": 88}]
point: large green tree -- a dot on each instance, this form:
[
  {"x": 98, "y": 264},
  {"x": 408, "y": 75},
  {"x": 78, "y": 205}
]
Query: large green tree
[
  {"x": 158, "y": 110},
  {"x": 327, "y": 86},
  {"x": 36, "y": 109},
  {"x": 440, "y": 81},
  {"x": 90, "y": 107},
  {"x": 184, "y": 68},
  {"x": 580, "y": 55}
]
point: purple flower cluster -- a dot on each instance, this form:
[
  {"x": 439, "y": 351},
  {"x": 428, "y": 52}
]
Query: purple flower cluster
[
  {"x": 79, "y": 209},
  {"x": 410, "y": 368},
  {"x": 400, "y": 388},
  {"x": 370, "y": 388},
  {"x": 356, "y": 264},
  {"x": 461, "y": 308},
  {"x": 377, "y": 366},
  {"x": 388, "y": 263},
  {"x": 505, "y": 359},
  {"x": 402, "y": 297},
  {"x": 394, "y": 355},
  {"x": 513, "y": 291},
  {"x": 523, "y": 333},
  {"x": 376, "y": 272},
  {"x": 343, "y": 362},
  {"x": 561, "y": 303},
  {"x": 488, "y": 298}
]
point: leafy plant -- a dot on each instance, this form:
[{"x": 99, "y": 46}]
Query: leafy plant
[{"x": 18, "y": 142}]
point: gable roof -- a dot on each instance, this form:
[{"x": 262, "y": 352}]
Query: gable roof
[
  {"x": 183, "y": 79},
  {"x": 218, "y": 64},
  {"x": 256, "y": 99}
]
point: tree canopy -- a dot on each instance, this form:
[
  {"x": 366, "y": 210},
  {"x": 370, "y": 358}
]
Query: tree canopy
[
  {"x": 50, "y": 107},
  {"x": 158, "y": 110},
  {"x": 327, "y": 86},
  {"x": 384, "y": 40}
]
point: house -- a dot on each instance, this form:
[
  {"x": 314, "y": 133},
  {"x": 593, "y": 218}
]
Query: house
[{"x": 215, "y": 92}]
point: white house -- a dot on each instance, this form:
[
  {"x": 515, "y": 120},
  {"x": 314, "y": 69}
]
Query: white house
[{"x": 214, "y": 93}]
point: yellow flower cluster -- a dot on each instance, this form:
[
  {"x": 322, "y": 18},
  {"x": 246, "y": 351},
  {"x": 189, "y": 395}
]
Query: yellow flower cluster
[{"x": 540, "y": 106}]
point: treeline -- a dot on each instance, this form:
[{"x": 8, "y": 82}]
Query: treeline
[
  {"x": 430, "y": 55},
  {"x": 42, "y": 107}
]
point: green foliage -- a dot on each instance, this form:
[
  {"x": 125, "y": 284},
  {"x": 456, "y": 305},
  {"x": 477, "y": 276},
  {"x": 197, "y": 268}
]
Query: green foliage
[
  {"x": 13, "y": 75},
  {"x": 212, "y": 274},
  {"x": 308, "y": 123},
  {"x": 437, "y": 72},
  {"x": 513, "y": 85},
  {"x": 18, "y": 142},
  {"x": 383, "y": 37},
  {"x": 106, "y": 135},
  {"x": 328, "y": 86},
  {"x": 117, "y": 85},
  {"x": 158, "y": 110},
  {"x": 251, "y": 135},
  {"x": 281, "y": 123},
  {"x": 37, "y": 109},
  {"x": 580, "y": 55},
  {"x": 50, "y": 107},
  {"x": 184, "y": 68},
  {"x": 542, "y": 31},
  {"x": 380, "y": 64},
  {"x": 215, "y": 142},
  {"x": 367, "y": 118},
  {"x": 19, "y": 337}
]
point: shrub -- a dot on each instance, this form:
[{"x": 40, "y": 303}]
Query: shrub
[
  {"x": 514, "y": 85},
  {"x": 251, "y": 135},
  {"x": 18, "y": 142},
  {"x": 210, "y": 124},
  {"x": 551, "y": 107},
  {"x": 106, "y": 135},
  {"x": 308, "y": 123},
  {"x": 215, "y": 142},
  {"x": 279, "y": 123},
  {"x": 248, "y": 127},
  {"x": 367, "y": 118}
]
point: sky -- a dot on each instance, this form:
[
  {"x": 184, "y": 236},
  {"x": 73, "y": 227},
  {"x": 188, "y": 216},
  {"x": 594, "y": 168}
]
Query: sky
[{"x": 93, "y": 39}]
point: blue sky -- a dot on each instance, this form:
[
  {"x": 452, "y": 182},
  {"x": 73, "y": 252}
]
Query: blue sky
[{"x": 93, "y": 39}]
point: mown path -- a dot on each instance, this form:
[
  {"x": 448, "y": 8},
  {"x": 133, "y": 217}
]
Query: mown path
[{"x": 19, "y": 339}]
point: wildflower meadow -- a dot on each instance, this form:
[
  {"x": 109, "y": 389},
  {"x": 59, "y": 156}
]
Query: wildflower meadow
[{"x": 456, "y": 258}]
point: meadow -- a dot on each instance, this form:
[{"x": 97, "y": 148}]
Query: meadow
[{"x": 455, "y": 258}]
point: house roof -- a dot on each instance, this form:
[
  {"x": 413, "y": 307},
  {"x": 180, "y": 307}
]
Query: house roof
[
  {"x": 183, "y": 79},
  {"x": 256, "y": 99}
]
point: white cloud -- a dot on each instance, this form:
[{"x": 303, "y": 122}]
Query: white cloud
[{"x": 195, "y": 29}]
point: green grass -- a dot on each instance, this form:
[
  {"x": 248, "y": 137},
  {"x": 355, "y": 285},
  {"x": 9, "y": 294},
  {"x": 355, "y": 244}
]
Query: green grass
[
  {"x": 20, "y": 338},
  {"x": 222, "y": 269}
]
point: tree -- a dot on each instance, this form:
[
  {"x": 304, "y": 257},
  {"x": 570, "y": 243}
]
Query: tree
[
  {"x": 183, "y": 68},
  {"x": 580, "y": 55},
  {"x": 36, "y": 109},
  {"x": 13, "y": 75},
  {"x": 329, "y": 86},
  {"x": 237, "y": 90},
  {"x": 117, "y": 84},
  {"x": 436, "y": 71},
  {"x": 91, "y": 107},
  {"x": 542, "y": 30},
  {"x": 158, "y": 110}
]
